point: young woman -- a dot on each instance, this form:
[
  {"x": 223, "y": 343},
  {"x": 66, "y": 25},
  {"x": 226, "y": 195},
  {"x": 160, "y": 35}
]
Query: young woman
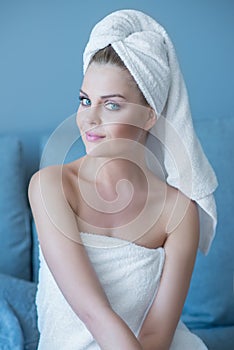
[{"x": 118, "y": 241}]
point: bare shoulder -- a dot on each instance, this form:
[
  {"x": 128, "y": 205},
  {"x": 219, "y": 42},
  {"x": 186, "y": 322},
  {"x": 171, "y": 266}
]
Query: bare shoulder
[
  {"x": 174, "y": 205},
  {"x": 47, "y": 184},
  {"x": 45, "y": 181},
  {"x": 48, "y": 172},
  {"x": 181, "y": 218},
  {"x": 60, "y": 178},
  {"x": 52, "y": 212}
]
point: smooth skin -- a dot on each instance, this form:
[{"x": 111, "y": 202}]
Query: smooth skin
[{"x": 56, "y": 204}]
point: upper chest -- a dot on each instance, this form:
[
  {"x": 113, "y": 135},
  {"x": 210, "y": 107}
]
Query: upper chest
[{"x": 134, "y": 216}]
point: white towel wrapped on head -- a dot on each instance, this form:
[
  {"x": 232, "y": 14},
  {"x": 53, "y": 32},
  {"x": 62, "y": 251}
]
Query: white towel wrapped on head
[{"x": 148, "y": 53}]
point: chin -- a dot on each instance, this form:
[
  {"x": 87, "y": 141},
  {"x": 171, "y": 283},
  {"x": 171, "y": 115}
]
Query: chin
[
  {"x": 112, "y": 148},
  {"x": 105, "y": 151},
  {"x": 95, "y": 152}
]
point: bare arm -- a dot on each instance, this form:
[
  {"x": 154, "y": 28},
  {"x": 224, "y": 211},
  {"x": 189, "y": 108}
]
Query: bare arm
[
  {"x": 69, "y": 263},
  {"x": 180, "y": 247}
]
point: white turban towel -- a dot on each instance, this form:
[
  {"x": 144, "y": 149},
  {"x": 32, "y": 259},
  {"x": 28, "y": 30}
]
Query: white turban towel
[{"x": 148, "y": 53}]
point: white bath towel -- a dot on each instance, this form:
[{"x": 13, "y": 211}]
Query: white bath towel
[
  {"x": 148, "y": 53},
  {"x": 130, "y": 276}
]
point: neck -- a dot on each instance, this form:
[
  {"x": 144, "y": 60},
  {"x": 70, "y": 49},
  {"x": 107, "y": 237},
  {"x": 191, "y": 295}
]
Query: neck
[{"x": 107, "y": 172}]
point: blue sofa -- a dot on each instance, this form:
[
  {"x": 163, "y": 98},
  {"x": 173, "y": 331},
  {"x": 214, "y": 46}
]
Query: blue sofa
[{"x": 209, "y": 308}]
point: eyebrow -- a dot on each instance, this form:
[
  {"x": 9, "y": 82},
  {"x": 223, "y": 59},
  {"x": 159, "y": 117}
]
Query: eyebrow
[{"x": 105, "y": 96}]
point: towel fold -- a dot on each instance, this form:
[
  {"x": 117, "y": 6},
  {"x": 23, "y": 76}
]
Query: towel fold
[{"x": 147, "y": 51}]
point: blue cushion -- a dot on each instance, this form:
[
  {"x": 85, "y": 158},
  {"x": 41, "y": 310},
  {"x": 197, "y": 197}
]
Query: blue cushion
[
  {"x": 11, "y": 336},
  {"x": 18, "y": 318},
  {"x": 210, "y": 301},
  {"x": 15, "y": 255},
  {"x": 217, "y": 338}
]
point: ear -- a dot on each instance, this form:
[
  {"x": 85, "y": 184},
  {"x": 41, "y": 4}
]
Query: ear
[{"x": 152, "y": 118}]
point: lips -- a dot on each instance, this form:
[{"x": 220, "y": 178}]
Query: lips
[{"x": 90, "y": 136}]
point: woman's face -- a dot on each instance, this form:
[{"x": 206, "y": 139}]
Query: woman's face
[{"x": 111, "y": 114}]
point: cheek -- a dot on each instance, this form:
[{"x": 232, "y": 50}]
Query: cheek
[{"x": 126, "y": 131}]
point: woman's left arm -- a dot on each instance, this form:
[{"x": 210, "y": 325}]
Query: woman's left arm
[{"x": 180, "y": 248}]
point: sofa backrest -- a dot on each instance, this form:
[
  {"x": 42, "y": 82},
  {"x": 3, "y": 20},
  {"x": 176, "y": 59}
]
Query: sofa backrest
[
  {"x": 15, "y": 231},
  {"x": 211, "y": 296}
]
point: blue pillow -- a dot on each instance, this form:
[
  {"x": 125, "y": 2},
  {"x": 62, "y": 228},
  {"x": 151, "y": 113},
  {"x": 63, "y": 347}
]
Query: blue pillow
[
  {"x": 18, "y": 320},
  {"x": 15, "y": 254},
  {"x": 210, "y": 301},
  {"x": 217, "y": 338}
]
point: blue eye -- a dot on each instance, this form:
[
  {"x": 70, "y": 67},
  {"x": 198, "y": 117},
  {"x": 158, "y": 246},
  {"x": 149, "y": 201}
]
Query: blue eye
[
  {"x": 112, "y": 106},
  {"x": 85, "y": 101}
]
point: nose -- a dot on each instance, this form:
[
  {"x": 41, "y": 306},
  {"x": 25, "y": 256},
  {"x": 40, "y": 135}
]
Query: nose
[
  {"x": 89, "y": 118},
  {"x": 92, "y": 116}
]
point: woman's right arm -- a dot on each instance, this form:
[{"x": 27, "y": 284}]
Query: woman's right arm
[{"x": 69, "y": 263}]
